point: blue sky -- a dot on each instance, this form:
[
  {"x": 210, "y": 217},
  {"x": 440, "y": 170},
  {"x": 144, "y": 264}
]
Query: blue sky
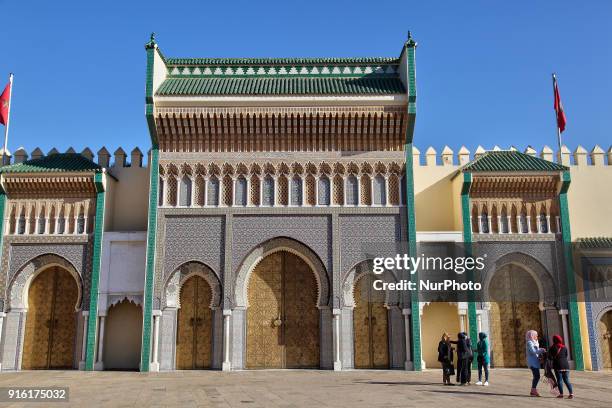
[{"x": 483, "y": 67}]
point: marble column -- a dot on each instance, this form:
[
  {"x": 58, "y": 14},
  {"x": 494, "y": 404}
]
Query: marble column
[
  {"x": 227, "y": 364},
  {"x": 408, "y": 364},
  {"x": 564, "y": 313},
  {"x": 2, "y": 316},
  {"x": 154, "y": 366},
  {"x": 99, "y": 365},
  {"x": 336, "y": 334},
  {"x": 85, "y": 314}
]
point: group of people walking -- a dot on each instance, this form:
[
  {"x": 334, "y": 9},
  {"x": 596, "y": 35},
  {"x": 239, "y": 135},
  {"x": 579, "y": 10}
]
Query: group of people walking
[{"x": 554, "y": 361}]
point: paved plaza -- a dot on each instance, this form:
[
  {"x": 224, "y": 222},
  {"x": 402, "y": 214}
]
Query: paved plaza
[{"x": 509, "y": 388}]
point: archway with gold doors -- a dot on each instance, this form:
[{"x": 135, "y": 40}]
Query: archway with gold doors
[
  {"x": 370, "y": 325},
  {"x": 51, "y": 322},
  {"x": 515, "y": 309},
  {"x": 282, "y": 313},
  {"x": 194, "y": 325},
  {"x": 604, "y": 334}
]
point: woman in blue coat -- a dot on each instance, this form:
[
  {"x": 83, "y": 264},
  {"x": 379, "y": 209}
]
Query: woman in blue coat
[{"x": 533, "y": 351}]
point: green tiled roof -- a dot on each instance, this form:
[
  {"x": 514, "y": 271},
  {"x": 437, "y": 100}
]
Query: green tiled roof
[
  {"x": 60, "y": 162},
  {"x": 595, "y": 242},
  {"x": 511, "y": 160},
  {"x": 280, "y": 61},
  {"x": 281, "y": 86}
]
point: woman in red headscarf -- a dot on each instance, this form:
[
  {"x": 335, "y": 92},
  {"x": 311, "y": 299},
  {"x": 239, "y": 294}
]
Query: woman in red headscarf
[{"x": 559, "y": 355}]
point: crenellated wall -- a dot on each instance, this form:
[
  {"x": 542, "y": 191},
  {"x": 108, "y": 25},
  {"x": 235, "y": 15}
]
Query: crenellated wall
[
  {"x": 436, "y": 199},
  {"x": 590, "y": 195},
  {"x": 127, "y": 191}
]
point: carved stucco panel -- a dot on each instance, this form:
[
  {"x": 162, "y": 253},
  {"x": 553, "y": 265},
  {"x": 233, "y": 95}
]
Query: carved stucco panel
[
  {"x": 364, "y": 237},
  {"x": 23, "y": 256}
]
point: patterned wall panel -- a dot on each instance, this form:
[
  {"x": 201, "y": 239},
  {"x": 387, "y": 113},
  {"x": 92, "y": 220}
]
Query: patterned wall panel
[
  {"x": 21, "y": 251},
  {"x": 313, "y": 231},
  {"x": 194, "y": 239},
  {"x": 545, "y": 259},
  {"x": 363, "y": 236}
]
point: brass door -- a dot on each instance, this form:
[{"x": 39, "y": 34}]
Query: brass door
[
  {"x": 282, "y": 317},
  {"x": 513, "y": 316},
  {"x": 370, "y": 326},
  {"x": 604, "y": 328},
  {"x": 50, "y": 331},
  {"x": 194, "y": 331}
]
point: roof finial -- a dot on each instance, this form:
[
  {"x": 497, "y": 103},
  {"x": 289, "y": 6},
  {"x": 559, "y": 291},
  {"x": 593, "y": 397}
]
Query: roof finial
[
  {"x": 410, "y": 41},
  {"x": 151, "y": 43}
]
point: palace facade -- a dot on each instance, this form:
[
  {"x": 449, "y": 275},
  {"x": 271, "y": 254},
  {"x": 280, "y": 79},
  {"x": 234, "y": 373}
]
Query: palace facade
[{"x": 246, "y": 241}]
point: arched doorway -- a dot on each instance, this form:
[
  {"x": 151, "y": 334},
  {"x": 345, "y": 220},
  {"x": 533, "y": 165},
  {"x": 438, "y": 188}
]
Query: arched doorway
[
  {"x": 438, "y": 317},
  {"x": 194, "y": 329},
  {"x": 123, "y": 338},
  {"x": 604, "y": 330},
  {"x": 282, "y": 314},
  {"x": 514, "y": 310},
  {"x": 370, "y": 325},
  {"x": 50, "y": 331}
]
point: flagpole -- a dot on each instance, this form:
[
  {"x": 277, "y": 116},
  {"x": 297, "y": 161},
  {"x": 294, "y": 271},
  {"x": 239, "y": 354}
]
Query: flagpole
[
  {"x": 554, "y": 78},
  {"x": 8, "y": 118}
]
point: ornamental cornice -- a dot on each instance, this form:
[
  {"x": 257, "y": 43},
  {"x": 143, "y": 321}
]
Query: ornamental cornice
[
  {"x": 46, "y": 239},
  {"x": 515, "y": 185},
  {"x": 284, "y": 70},
  {"x": 486, "y": 237},
  {"x": 35, "y": 186},
  {"x": 189, "y": 111},
  {"x": 277, "y": 211}
]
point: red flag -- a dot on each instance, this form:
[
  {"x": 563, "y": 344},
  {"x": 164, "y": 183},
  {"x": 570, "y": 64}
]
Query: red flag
[
  {"x": 4, "y": 104},
  {"x": 561, "y": 120}
]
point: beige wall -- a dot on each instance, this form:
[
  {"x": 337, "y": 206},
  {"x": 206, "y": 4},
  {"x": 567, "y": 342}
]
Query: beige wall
[
  {"x": 590, "y": 201},
  {"x": 129, "y": 199},
  {"x": 122, "y": 339},
  {"x": 437, "y": 318},
  {"x": 438, "y": 194},
  {"x": 433, "y": 198}
]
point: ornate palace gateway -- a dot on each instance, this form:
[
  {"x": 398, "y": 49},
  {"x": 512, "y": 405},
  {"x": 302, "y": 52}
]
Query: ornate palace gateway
[{"x": 247, "y": 241}]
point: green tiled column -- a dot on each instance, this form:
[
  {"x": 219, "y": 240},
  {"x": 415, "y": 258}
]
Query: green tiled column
[
  {"x": 467, "y": 242},
  {"x": 410, "y": 50},
  {"x": 95, "y": 272},
  {"x": 145, "y": 357},
  {"x": 566, "y": 234},
  {"x": 415, "y": 329}
]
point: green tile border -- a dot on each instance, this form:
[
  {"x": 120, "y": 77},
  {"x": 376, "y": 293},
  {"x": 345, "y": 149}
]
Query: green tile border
[
  {"x": 145, "y": 357},
  {"x": 572, "y": 301},
  {"x": 147, "y": 315},
  {"x": 415, "y": 317},
  {"x": 467, "y": 242},
  {"x": 95, "y": 272}
]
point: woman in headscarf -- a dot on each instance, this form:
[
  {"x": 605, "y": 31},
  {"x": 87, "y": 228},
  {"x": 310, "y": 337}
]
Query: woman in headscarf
[
  {"x": 445, "y": 357},
  {"x": 533, "y": 352},
  {"x": 463, "y": 358},
  {"x": 559, "y": 356},
  {"x": 482, "y": 357}
]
